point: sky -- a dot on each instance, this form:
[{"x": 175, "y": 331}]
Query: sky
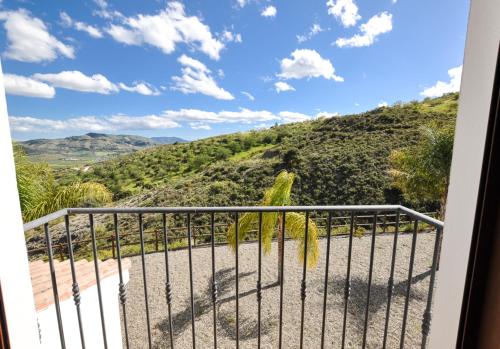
[{"x": 199, "y": 68}]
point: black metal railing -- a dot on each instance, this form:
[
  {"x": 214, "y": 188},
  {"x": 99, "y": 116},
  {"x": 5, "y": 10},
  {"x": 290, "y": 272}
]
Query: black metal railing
[{"x": 326, "y": 213}]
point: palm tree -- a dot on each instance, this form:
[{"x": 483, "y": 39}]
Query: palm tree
[
  {"x": 422, "y": 172},
  {"x": 279, "y": 195},
  {"x": 39, "y": 194}
]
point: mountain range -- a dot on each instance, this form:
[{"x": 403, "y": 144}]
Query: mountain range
[{"x": 89, "y": 148}]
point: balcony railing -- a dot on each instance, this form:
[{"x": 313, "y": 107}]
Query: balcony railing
[{"x": 374, "y": 217}]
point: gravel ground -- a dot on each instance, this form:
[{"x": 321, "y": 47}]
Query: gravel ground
[{"x": 226, "y": 319}]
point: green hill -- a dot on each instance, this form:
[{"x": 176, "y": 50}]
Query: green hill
[
  {"x": 338, "y": 160},
  {"x": 88, "y": 148}
]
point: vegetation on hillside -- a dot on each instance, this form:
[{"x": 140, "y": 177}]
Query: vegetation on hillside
[
  {"x": 339, "y": 160},
  {"x": 422, "y": 171}
]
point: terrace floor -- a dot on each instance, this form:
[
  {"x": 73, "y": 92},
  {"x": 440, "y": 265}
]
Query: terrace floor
[{"x": 226, "y": 318}]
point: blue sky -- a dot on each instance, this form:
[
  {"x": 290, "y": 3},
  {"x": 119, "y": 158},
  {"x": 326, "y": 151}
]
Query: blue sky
[{"x": 199, "y": 68}]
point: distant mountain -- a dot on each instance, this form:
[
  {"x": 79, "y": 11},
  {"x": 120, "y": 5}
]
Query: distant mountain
[
  {"x": 168, "y": 140},
  {"x": 88, "y": 148}
]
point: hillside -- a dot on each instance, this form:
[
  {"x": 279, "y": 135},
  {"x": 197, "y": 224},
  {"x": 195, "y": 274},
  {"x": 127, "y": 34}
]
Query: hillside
[
  {"x": 339, "y": 160},
  {"x": 168, "y": 140},
  {"x": 88, "y": 148}
]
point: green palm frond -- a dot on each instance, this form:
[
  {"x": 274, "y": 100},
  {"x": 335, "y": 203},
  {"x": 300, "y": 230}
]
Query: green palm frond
[
  {"x": 39, "y": 194},
  {"x": 295, "y": 227},
  {"x": 278, "y": 195},
  {"x": 76, "y": 194}
]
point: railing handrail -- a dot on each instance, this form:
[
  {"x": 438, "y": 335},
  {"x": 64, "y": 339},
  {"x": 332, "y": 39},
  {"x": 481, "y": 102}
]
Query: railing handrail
[{"x": 231, "y": 209}]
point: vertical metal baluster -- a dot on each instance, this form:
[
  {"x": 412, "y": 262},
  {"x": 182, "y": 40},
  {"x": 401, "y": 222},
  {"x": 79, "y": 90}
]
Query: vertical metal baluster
[
  {"x": 237, "y": 282},
  {"x": 122, "y": 292},
  {"x": 75, "y": 287},
  {"x": 259, "y": 282},
  {"x": 282, "y": 278},
  {"x": 143, "y": 260},
  {"x": 325, "y": 287},
  {"x": 168, "y": 287},
  {"x": 50, "y": 252},
  {"x": 370, "y": 273},
  {"x": 390, "y": 285},
  {"x": 303, "y": 284},
  {"x": 408, "y": 287},
  {"x": 214, "y": 280},
  {"x": 426, "y": 321},
  {"x": 347, "y": 288},
  {"x": 98, "y": 279},
  {"x": 190, "y": 254}
]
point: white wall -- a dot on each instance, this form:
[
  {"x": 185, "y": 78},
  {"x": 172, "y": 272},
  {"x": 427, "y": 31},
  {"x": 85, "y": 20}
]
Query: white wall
[
  {"x": 14, "y": 269},
  {"x": 481, "y": 49},
  {"x": 90, "y": 318}
]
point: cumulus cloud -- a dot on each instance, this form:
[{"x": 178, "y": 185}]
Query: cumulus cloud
[
  {"x": 194, "y": 118},
  {"x": 307, "y": 63},
  {"x": 80, "y": 26},
  {"x": 315, "y": 29},
  {"x": 24, "y": 86},
  {"x": 77, "y": 81},
  {"x": 197, "y": 78},
  {"x": 382, "y": 104},
  {"x": 441, "y": 88},
  {"x": 228, "y": 36},
  {"x": 269, "y": 11},
  {"x": 288, "y": 116},
  {"x": 91, "y": 123},
  {"x": 282, "y": 86},
  {"x": 167, "y": 29},
  {"x": 242, "y": 3},
  {"x": 325, "y": 114},
  {"x": 28, "y": 39},
  {"x": 378, "y": 24},
  {"x": 248, "y": 95},
  {"x": 199, "y": 126},
  {"x": 142, "y": 88},
  {"x": 345, "y": 11}
]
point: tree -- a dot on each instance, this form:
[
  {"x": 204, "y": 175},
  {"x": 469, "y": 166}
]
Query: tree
[
  {"x": 39, "y": 194},
  {"x": 422, "y": 172},
  {"x": 279, "y": 195}
]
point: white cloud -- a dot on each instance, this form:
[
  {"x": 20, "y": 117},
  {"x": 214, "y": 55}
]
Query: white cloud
[
  {"x": 441, "y": 88},
  {"x": 199, "y": 126},
  {"x": 195, "y": 118},
  {"x": 24, "y": 86},
  {"x": 28, "y": 39},
  {"x": 142, "y": 88},
  {"x": 242, "y": 3},
  {"x": 249, "y": 96},
  {"x": 77, "y": 81},
  {"x": 288, "y": 116},
  {"x": 105, "y": 12},
  {"x": 345, "y": 11},
  {"x": 315, "y": 29},
  {"x": 197, "y": 78},
  {"x": 91, "y": 123},
  {"x": 307, "y": 63},
  {"x": 325, "y": 114},
  {"x": 282, "y": 86},
  {"x": 89, "y": 29},
  {"x": 378, "y": 24},
  {"x": 269, "y": 11},
  {"x": 382, "y": 104},
  {"x": 228, "y": 36},
  {"x": 167, "y": 29},
  {"x": 221, "y": 73}
]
